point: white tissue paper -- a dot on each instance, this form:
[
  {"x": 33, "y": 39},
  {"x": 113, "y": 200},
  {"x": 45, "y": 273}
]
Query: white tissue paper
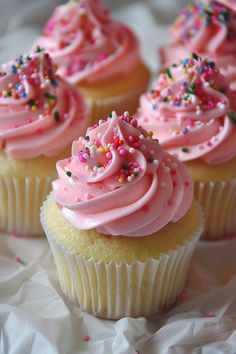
[{"x": 35, "y": 317}]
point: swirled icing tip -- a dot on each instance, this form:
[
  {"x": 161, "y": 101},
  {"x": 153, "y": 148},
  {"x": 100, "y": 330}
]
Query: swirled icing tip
[
  {"x": 86, "y": 44},
  {"x": 119, "y": 181},
  {"x": 231, "y": 4},
  {"x": 190, "y": 20},
  {"x": 192, "y": 110},
  {"x": 182, "y": 85},
  {"x": 34, "y": 71},
  {"x": 37, "y": 107}
]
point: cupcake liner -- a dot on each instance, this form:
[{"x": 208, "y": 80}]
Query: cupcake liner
[
  {"x": 99, "y": 108},
  {"x": 218, "y": 200},
  {"x": 117, "y": 290},
  {"x": 20, "y": 200}
]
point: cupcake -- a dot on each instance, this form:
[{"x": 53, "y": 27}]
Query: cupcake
[
  {"x": 40, "y": 115},
  {"x": 121, "y": 221},
  {"x": 97, "y": 55},
  {"x": 192, "y": 111},
  {"x": 207, "y": 28}
]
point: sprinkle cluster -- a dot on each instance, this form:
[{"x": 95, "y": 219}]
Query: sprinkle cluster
[
  {"x": 211, "y": 14},
  {"x": 98, "y": 157},
  {"x": 196, "y": 74},
  {"x": 19, "y": 77}
]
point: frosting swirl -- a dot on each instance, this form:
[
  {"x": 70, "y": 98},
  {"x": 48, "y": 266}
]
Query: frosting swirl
[
  {"x": 40, "y": 114},
  {"x": 119, "y": 181},
  {"x": 86, "y": 44},
  {"x": 192, "y": 110},
  {"x": 207, "y": 28}
]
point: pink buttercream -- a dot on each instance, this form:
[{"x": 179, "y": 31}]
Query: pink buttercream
[
  {"x": 207, "y": 28},
  {"x": 192, "y": 111},
  {"x": 86, "y": 44},
  {"x": 119, "y": 181},
  {"x": 40, "y": 114}
]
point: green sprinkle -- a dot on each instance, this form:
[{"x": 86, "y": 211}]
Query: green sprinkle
[
  {"x": 39, "y": 49},
  {"x": 87, "y": 137},
  {"x": 174, "y": 65},
  {"x": 136, "y": 174},
  {"x": 8, "y": 93},
  {"x": 32, "y": 102},
  {"x": 190, "y": 92},
  {"x": 192, "y": 85},
  {"x": 56, "y": 116},
  {"x": 109, "y": 115},
  {"x": 195, "y": 56},
  {"x": 165, "y": 99},
  {"x": 168, "y": 73},
  {"x": 68, "y": 173},
  {"x": 28, "y": 58},
  {"x": 232, "y": 117},
  {"x": 50, "y": 96},
  {"x": 185, "y": 150},
  {"x": 150, "y": 159}
]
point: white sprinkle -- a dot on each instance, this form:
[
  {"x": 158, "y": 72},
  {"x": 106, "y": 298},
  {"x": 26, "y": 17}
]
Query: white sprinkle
[
  {"x": 113, "y": 114},
  {"x": 93, "y": 151},
  {"x": 85, "y": 156},
  {"x": 174, "y": 165},
  {"x": 166, "y": 169},
  {"x": 42, "y": 86},
  {"x": 156, "y": 162},
  {"x": 100, "y": 122},
  {"x": 41, "y": 116},
  {"x": 206, "y": 84},
  {"x": 81, "y": 139},
  {"x": 129, "y": 179},
  {"x": 126, "y": 114},
  {"x": 141, "y": 137},
  {"x": 87, "y": 168},
  {"x": 131, "y": 150}
]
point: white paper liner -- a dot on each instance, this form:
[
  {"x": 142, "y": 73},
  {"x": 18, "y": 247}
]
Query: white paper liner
[
  {"x": 218, "y": 200},
  {"x": 99, "y": 108},
  {"x": 20, "y": 202},
  {"x": 115, "y": 290}
]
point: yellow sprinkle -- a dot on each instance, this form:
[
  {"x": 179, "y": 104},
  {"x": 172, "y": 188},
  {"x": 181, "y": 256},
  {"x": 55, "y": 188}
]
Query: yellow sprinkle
[
  {"x": 107, "y": 149},
  {"x": 121, "y": 180},
  {"x": 150, "y": 133},
  {"x": 17, "y": 65},
  {"x": 34, "y": 108},
  {"x": 102, "y": 149}
]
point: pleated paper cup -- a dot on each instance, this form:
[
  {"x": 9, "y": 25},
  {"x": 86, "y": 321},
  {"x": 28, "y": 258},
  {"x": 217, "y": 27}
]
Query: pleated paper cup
[
  {"x": 111, "y": 290},
  {"x": 218, "y": 200},
  {"x": 99, "y": 108},
  {"x": 20, "y": 200}
]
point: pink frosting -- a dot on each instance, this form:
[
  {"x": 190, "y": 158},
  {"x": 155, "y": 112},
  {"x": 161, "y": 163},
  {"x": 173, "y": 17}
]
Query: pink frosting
[
  {"x": 192, "y": 111},
  {"x": 119, "y": 181},
  {"x": 86, "y": 44},
  {"x": 40, "y": 114},
  {"x": 207, "y": 28}
]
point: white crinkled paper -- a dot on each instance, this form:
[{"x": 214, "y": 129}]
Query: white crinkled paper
[{"x": 35, "y": 318}]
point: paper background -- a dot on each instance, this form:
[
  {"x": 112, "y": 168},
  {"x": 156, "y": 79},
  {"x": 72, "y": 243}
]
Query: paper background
[{"x": 35, "y": 318}]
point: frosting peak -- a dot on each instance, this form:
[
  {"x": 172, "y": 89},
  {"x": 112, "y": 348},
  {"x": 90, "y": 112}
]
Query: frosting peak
[
  {"x": 86, "y": 44},
  {"x": 119, "y": 181},
  {"x": 37, "y": 108},
  {"x": 207, "y": 28},
  {"x": 192, "y": 110}
]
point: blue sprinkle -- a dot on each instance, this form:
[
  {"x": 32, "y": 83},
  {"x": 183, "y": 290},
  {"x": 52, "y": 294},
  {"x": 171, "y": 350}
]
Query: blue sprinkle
[
  {"x": 185, "y": 61},
  {"x": 23, "y": 94},
  {"x": 154, "y": 106},
  {"x": 54, "y": 83},
  {"x": 177, "y": 104},
  {"x": 18, "y": 86},
  {"x": 20, "y": 61},
  {"x": 13, "y": 69},
  {"x": 184, "y": 83},
  {"x": 185, "y": 130}
]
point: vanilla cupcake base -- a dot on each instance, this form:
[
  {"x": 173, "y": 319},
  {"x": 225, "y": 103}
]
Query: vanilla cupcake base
[
  {"x": 24, "y": 185},
  {"x": 124, "y": 286},
  {"x": 215, "y": 189}
]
